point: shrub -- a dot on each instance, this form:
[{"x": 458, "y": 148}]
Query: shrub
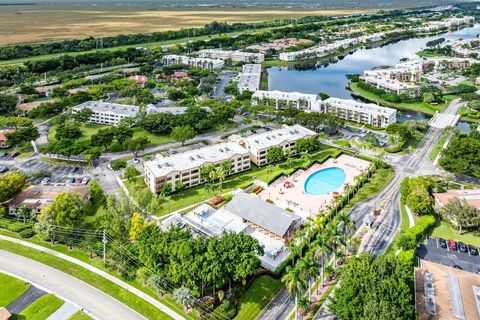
[
  {"x": 423, "y": 226},
  {"x": 227, "y": 309},
  {"x": 27, "y": 233},
  {"x": 17, "y": 226},
  {"x": 406, "y": 242},
  {"x": 227, "y": 197}
]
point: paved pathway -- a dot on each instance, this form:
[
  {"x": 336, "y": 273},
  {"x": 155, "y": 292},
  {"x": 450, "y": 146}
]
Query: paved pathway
[
  {"x": 101, "y": 273},
  {"x": 64, "y": 312},
  {"x": 66, "y": 287},
  {"x": 26, "y": 299}
]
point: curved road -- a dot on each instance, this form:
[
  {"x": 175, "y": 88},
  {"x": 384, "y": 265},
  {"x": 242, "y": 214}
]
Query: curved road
[{"x": 97, "y": 303}]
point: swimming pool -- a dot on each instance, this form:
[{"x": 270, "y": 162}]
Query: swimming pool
[{"x": 324, "y": 181}]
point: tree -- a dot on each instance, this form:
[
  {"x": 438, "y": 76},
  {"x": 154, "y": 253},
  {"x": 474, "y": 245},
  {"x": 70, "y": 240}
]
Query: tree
[
  {"x": 135, "y": 145},
  {"x": 103, "y": 137},
  {"x": 183, "y": 133},
  {"x": 306, "y": 157},
  {"x": 22, "y": 135},
  {"x": 131, "y": 173},
  {"x": 83, "y": 115},
  {"x": 11, "y": 183},
  {"x": 166, "y": 189},
  {"x": 275, "y": 154},
  {"x": 8, "y": 103},
  {"x": 118, "y": 165},
  {"x": 68, "y": 131},
  {"x": 223, "y": 112},
  {"x": 460, "y": 213},
  {"x": 307, "y": 145},
  {"x": 137, "y": 226},
  {"x": 295, "y": 283},
  {"x": 66, "y": 211},
  {"x": 289, "y": 162},
  {"x": 159, "y": 283},
  {"x": 184, "y": 296},
  {"x": 419, "y": 201}
]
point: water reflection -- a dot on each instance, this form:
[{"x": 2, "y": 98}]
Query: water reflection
[{"x": 313, "y": 77}]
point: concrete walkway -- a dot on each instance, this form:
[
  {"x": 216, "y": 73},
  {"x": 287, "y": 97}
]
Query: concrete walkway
[
  {"x": 411, "y": 221},
  {"x": 101, "y": 273},
  {"x": 64, "y": 312}
]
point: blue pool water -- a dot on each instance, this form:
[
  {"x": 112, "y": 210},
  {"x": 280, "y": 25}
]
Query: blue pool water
[{"x": 324, "y": 181}]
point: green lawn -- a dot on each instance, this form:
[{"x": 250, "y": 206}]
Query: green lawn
[
  {"x": 110, "y": 288},
  {"x": 198, "y": 194},
  {"x": 252, "y": 302},
  {"x": 11, "y": 289},
  {"x": 42, "y": 308},
  {"x": 89, "y": 129},
  {"x": 79, "y": 316},
  {"x": 445, "y": 230},
  {"x": 437, "y": 148},
  {"x": 412, "y": 106}
]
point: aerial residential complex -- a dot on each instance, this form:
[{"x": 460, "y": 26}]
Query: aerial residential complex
[
  {"x": 203, "y": 63},
  {"x": 269, "y": 224},
  {"x": 366, "y": 113},
  {"x": 465, "y": 48},
  {"x": 185, "y": 167},
  {"x": 106, "y": 112},
  {"x": 285, "y": 137},
  {"x": 250, "y": 78},
  {"x": 351, "y": 110},
  {"x": 236, "y": 55}
]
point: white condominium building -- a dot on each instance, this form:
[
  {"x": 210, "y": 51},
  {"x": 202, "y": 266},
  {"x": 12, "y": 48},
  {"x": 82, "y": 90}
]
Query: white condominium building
[
  {"x": 107, "y": 113},
  {"x": 232, "y": 55},
  {"x": 203, "y": 63},
  {"x": 185, "y": 167},
  {"x": 392, "y": 85},
  {"x": 366, "y": 113},
  {"x": 250, "y": 78},
  {"x": 286, "y": 138},
  {"x": 466, "y": 48},
  {"x": 282, "y": 100}
]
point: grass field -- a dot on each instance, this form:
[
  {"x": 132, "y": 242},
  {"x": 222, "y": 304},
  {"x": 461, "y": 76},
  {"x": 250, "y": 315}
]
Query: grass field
[
  {"x": 263, "y": 289},
  {"x": 38, "y": 23},
  {"x": 437, "y": 148},
  {"x": 80, "y": 316},
  {"x": 90, "y": 129},
  {"x": 42, "y": 308},
  {"x": 411, "y": 106},
  {"x": 11, "y": 289},
  {"x": 445, "y": 230}
]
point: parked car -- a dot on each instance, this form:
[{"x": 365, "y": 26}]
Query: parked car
[
  {"x": 136, "y": 160},
  {"x": 15, "y": 154},
  {"x": 477, "y": 271},
  {"x": 3, "y": 154},
  {"x": 85, "y": 180},
  {"x": 456, "y": 266},
  {"x": 74, "y": 169},
  {"x": 473, "y": 250},
  {"x": 462, "y": 247},
  {"x": 452, "y": 245},
  {"x": 109, "y": 166},
  {"x": 442, "y": 243},
  {"x": 45, "y": 180},
  {"x": 3, "y": 169}
]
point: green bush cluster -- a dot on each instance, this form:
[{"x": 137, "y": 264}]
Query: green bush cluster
[
  {"x": 27, "y": 233},
  {"x": 227, "y": 310},
  {"x": 14, "y": 225}
]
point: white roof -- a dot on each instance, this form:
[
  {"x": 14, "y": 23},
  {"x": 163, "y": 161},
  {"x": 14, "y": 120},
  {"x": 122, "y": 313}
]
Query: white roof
[
  {"x": 162, "y": 166},
  {"x": 360, "y": 106},
  {"x": 107, "y": 107},
  {"x": 282, "y": 95},
  {"x": 275, "y": 137}
]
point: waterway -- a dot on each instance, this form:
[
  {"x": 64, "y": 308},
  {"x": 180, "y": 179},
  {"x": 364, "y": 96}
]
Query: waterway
[{"x": 315, "y": 77}]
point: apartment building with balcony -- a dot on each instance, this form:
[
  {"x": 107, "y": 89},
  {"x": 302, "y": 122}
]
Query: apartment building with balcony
[
  {"x": 106, "y": 112},
  {"x": 203, "y": 63},
  {"x": 236, "y": 55},
  {"x": 185, "y": 167},
  {"x": 285, "y": 137},
  {"x": 282, "y": 99}
]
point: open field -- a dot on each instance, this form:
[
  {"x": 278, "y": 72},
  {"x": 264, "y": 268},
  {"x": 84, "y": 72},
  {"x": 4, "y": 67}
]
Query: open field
[{"x": 37, "y": 23}]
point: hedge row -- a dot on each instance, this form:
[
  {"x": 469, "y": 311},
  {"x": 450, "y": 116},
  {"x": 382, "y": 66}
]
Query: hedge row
[{"x": 423, "y": 226}]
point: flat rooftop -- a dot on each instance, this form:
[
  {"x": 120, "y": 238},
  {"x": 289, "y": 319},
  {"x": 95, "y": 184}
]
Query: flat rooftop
[
  {"x": 282, "y": 95},
  {"x": 275, "y": 137},
  {"x": 445, "y": 293},
  {"x": 107, "y": 107},
  {"x": 360, "y": 106},
  {"x": 162, "y": 166}
]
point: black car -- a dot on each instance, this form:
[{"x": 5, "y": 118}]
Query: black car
[
  {"x": 473, "y": 250},
  {"x": 442, "y": 243},
  {"x": 3, "y": 169},
  {"x": 462, "y": 247},
  {"x": 456, "y": 266}
]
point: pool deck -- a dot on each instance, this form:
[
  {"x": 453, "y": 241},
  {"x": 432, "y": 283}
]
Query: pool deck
[{"x": 307, "y": 205}]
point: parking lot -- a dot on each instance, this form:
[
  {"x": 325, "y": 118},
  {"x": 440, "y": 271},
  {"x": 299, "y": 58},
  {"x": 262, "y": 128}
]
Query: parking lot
[
  {"x": 431, "y": 251},
  {"x": 349, "y": 133},
  {"x": 58, "y": 173}
]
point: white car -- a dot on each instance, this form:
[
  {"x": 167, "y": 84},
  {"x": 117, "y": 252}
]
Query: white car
[{"x": 136, "y": 160}]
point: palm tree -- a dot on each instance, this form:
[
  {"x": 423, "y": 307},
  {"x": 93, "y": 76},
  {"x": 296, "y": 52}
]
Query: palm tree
[
  {"x": 311, "y": 270},
  {"x": 321, "y": 251},
  {"x": 289, "y": 162},
  {"x": 335, "y": 240},
  {"x": 292, "y": 246},
  {"x": 306, "y": 157},
  {"x": 295, "y": 283},
  {"x": 220, "y": 175},
  {"x": 347, "y": 187},
  {"x": 304, "y": 304}
]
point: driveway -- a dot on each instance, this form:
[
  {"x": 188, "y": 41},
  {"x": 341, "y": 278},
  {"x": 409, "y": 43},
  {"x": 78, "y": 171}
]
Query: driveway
[
  {"x": 431, "y": 251},
  {"x": 99, "y": 304},
  {"x": 26, "y": 299}
]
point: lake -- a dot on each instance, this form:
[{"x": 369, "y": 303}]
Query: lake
[{"x": 313, "y": 77}]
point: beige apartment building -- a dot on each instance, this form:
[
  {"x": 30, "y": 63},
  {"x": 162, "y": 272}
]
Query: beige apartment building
[
  {"x": 285, "y": 137},
  {"x": 185, "y": 167}
]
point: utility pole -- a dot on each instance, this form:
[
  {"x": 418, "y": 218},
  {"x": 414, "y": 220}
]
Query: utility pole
[{"x": 104, "y": 241}]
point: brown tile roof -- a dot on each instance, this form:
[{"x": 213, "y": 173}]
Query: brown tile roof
[
  {"x": 38, "y": 196},
  {"x": 4, "y": 132},
  {"x": 472, "y": 196}
]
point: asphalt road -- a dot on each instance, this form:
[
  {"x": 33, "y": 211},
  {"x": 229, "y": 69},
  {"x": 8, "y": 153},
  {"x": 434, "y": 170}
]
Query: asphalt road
[{"x": 99, "y": 304}]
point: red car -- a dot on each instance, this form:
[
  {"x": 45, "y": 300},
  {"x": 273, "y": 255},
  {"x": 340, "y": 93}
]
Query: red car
[{"x": 452, "y": 245}]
